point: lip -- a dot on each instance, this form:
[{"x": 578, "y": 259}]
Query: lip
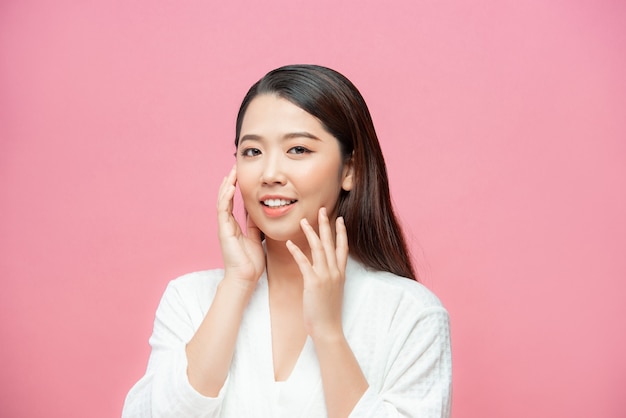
[{"x": 277, "y": 211}]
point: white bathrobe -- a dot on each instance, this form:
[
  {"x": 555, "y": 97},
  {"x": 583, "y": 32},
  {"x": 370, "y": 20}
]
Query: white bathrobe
[{"x": 397, "y": 329}]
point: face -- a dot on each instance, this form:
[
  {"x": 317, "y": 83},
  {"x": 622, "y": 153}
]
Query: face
[{"x": 288, "y": 167}]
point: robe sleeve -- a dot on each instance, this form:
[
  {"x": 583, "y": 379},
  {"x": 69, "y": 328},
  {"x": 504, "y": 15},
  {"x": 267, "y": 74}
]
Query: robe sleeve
[
  {"x": 418, "y": 379},
  {"x": 165, "y": 391}
]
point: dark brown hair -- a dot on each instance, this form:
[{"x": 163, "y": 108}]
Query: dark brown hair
[{"x": 374, "y": 234}]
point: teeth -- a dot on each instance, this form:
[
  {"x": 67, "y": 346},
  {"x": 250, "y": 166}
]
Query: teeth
[{"x": 274, "y": 203}]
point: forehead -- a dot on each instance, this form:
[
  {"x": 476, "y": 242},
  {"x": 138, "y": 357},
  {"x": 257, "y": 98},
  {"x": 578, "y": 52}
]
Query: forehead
[{"x": 268, "y": 113}]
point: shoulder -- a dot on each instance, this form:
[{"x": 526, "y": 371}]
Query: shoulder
[
  {"x": 198, "y": 284},
  {"x": 385, "y": 314},
  {"x": 187, "y": 299},
  {"x": 390, "y": 290}
]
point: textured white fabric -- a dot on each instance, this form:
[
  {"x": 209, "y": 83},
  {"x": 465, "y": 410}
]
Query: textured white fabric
[{"x": 397, "y": 329}]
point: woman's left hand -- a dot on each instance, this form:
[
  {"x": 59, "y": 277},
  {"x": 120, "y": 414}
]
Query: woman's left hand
[{"x": 324, "y": 277}]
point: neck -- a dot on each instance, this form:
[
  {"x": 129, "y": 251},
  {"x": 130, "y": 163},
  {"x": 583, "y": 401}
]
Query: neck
[{"x": 282, "y": 270}]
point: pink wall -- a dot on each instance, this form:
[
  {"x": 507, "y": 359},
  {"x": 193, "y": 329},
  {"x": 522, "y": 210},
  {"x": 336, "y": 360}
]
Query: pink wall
[{"x": 504, "y": 128}]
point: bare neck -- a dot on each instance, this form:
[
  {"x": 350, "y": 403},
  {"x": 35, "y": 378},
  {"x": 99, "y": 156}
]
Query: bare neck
[{"x": 282, "y": 270}]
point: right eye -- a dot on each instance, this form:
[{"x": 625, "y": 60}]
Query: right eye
[{"x": 250, "y": 152}]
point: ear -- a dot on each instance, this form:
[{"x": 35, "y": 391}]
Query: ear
[{"x": 347, "y": 175}]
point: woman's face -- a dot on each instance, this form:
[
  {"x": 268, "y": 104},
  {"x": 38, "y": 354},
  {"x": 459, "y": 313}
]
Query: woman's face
[{"x": 288, "y": 167}]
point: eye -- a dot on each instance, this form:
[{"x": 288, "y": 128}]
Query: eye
[
  {"x": 298, "y": 150},
  {"x": 250, "y": 152}
]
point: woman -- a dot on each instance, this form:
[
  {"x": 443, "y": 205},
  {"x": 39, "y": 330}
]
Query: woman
[{"x": 315, "y": 312}]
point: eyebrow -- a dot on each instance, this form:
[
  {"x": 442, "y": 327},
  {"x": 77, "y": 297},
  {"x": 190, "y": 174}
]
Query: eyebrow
[{"x": 291, "y": 135}]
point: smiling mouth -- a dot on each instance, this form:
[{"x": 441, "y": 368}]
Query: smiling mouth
[{"x": 277, "y": 203}]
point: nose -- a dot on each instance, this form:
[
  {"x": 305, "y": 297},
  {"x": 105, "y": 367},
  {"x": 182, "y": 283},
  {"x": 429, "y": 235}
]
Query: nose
[{"x": 273, "y": 172}]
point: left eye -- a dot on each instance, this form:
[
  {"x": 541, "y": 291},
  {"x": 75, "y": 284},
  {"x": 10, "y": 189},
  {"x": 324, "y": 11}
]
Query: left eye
[{"x": 298, "y": 150}]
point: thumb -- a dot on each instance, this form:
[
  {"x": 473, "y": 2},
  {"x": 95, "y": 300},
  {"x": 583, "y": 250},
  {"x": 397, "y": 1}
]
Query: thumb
[{"x": 254, "y": 233}]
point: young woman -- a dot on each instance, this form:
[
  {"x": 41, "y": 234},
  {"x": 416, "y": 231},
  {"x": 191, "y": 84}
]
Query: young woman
[{"x": 316, "y": 312}]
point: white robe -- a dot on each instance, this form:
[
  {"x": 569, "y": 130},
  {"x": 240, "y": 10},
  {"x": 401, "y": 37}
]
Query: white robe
[{"x": 397, "y": 329}]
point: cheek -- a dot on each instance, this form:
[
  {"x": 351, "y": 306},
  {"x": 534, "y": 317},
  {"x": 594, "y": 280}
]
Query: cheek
[
  {"x": 324, "y": 176},
  {"x": 324, "y": 182},
  {"x": 246, "y": 191},
  {"x": 246, "y": 182}
]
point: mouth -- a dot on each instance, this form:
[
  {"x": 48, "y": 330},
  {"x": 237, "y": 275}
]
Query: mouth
[
  {"x": 276, "y": 207},
  {"x": 277, "y": 203}
]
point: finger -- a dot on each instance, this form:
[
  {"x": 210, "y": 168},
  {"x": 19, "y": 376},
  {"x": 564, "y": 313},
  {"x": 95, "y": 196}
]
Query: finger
[
  {"x": 254, "y": 233},
  {"x": 318, "y": 257},
  {"x": 342, "y": 248},
  {"x": 326, "y": 238},
  {"x": 225, "y": 203},
  {"x": 225, "y": 198},
  {"x": 228, "y": 183},
  {"x": 220, "y": 192},
  {"x": 301, "y": 260}
]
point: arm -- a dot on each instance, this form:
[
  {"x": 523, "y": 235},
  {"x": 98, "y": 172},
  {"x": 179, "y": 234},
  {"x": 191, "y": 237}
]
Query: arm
[
  {"x": 343, "y": 381},
  {"x": 188, "y": 367},
  {"x": 211, "y": 349},
  {"x": 165, "y": 391}
]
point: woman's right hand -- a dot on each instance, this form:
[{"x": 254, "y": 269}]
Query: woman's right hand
[
  {"x": 210, "y": 350},
  {"x": 243, "y": 255}
]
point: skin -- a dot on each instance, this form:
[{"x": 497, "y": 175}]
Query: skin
[{"x": 283, "y": 152}]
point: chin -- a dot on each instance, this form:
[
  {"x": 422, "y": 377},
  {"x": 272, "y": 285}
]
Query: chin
[{"x": 281, "y": 236}]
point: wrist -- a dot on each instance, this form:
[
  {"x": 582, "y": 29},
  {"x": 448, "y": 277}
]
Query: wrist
[
  {"x": 237, "y": 287},
  {"x": 328, "y": 337}
]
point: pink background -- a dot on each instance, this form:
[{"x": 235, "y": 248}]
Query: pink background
[{"x": 503, "y": 125}]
